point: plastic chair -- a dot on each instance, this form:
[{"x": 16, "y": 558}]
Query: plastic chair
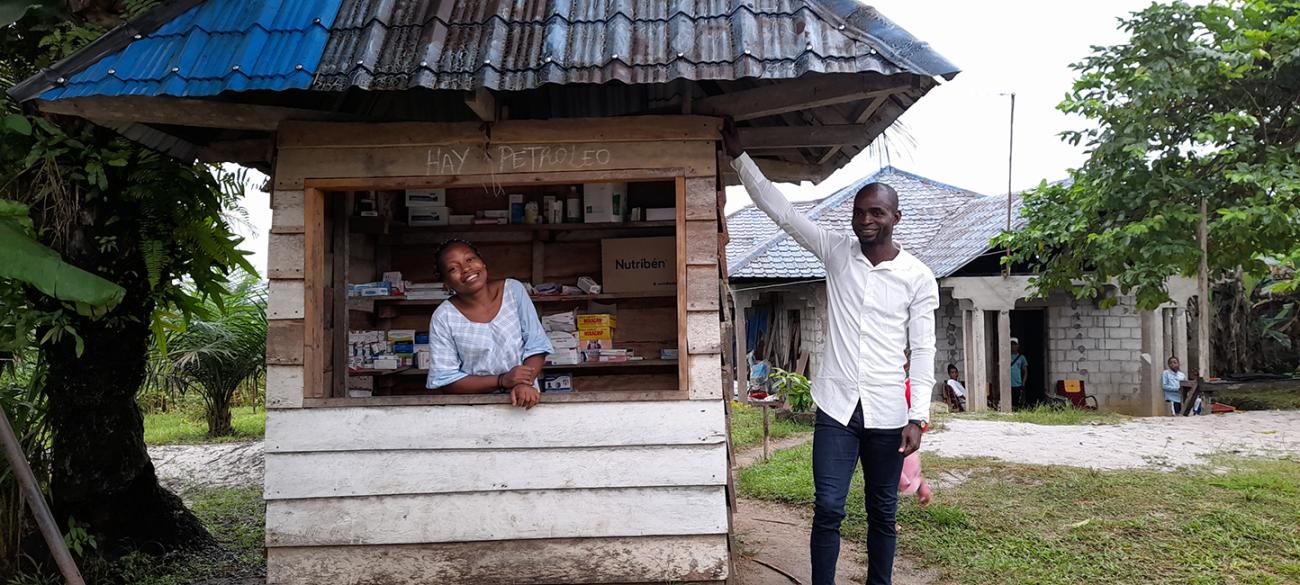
[{"x": 1072, "y": 390}]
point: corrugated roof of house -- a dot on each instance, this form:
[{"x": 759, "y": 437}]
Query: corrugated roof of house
[
  {"x": 331, "y": 45},
  {"x": 944, "y": 226}
]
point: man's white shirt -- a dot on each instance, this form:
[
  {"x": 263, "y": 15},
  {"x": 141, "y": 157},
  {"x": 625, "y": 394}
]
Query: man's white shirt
[{"x": 874, "y": 311}]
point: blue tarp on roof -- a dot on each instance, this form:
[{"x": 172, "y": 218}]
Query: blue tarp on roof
[{"x": 223, "y": 45}]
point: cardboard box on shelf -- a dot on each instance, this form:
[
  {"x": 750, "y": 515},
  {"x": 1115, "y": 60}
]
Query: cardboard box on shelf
[
  {"x": 557, "y": 382},
  {"x": 426, "y": 197},
  {"x": 660, "y": 213},
  {"x": 563, "y": 357},
  {"x": 423, "y": 216},
  {"x": 516, "y": 208},
  {"x": 596, "y": 338},
  {"x": 596, "y": 321},
  {"x": 563, "y": 339},
  {"x": 638, "y": 264},
  {"x": 604, "y": 202}
]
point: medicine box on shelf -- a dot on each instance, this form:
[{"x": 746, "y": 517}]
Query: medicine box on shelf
[{"x": 426, "y": 197}]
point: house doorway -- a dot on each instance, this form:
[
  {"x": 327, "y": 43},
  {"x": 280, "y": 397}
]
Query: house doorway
[{"x": 1030, "y": 327}]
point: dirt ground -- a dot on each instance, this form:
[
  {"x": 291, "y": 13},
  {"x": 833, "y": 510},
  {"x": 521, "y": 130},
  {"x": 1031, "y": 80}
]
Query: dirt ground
[
  {"x": 180, "y": 467},
  {"x": 1156, "y": 442},
  {"x": 773, "y": 539}
]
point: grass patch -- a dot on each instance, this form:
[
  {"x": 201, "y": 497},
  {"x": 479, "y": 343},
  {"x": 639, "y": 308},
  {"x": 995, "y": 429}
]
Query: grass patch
[
  {"x": 234, "y": 516},
  {"x": 747, "y": 426},
  {"x": 1044, "y": 414},
  {"x": 168, "y": 428},
  {"x": 1229, "y": 522},
  {"x": 1263, "y": 399}
]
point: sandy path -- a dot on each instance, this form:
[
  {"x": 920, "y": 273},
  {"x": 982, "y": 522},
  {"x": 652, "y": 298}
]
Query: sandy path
[
  {"x": 180, "y": 467},
  {"x": 772, "y": 538},
  {"x": 1159, "y": 442}
]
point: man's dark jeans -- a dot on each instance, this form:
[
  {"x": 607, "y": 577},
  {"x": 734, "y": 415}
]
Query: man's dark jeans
[{"x": 836, "y": 450}]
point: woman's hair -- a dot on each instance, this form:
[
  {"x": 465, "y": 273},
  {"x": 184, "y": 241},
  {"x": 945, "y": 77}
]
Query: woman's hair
[
  {"x": 446, "y": 245},
  {"x": 952, "y": 367}
]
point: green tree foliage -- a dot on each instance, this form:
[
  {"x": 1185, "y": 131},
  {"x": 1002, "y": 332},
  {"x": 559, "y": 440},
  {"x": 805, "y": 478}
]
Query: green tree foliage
[
  {"x": 215, "y": 353},
  {"x": 128, "y": 215},
  {"x": 1200, "y": 103}
]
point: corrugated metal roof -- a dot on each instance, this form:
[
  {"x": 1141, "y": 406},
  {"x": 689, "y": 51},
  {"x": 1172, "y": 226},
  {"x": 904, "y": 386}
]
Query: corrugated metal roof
[
  {"x": 231, "y": 45},
  {"x": 929, "y": 208},
  {"x": 333, "y": 45},
  {"x": 521, "y": 44},
  {"x": 967, "y": 238}
]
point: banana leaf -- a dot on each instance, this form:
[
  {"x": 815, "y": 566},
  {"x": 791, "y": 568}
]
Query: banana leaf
[{"x": 31, "y": 262}]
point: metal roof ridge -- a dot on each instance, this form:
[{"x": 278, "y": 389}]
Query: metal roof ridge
[{"x": 930, "y": 181}]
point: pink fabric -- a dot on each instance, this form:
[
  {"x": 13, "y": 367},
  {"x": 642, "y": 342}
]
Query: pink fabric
[
  {"x": 911, "y": 479},
  {"x": 911, "y": 482}
]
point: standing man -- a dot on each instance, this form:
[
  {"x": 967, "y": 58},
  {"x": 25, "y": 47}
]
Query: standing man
[
  {"x": 882, "y": 300},
  {"x": 1019, "y": 373}
]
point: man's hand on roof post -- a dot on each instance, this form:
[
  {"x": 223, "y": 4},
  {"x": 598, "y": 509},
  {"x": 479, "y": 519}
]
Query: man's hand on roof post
[{"x": 731, "y": 139}]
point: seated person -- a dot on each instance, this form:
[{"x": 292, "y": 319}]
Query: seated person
[
  {"x": 954, "y": 393},
  {"x": 486, "y": 337}
]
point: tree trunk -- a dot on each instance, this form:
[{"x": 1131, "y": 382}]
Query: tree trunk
[
  {"x": 218, "y": 414},
  {"x": 102, "y": 473}
]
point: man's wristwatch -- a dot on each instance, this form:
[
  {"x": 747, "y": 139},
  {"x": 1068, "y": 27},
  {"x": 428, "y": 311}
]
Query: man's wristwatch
[{"x": 920, "y": 423}]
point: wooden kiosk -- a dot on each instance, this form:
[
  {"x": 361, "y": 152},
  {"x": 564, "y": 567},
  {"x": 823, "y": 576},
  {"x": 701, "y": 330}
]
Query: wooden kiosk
[
  {"x": 624, "y": 476},
  {"x": 350, "y": 105}
]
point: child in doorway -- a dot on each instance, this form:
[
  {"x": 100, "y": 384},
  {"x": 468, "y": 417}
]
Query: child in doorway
[{"x": 911, "y": 481}]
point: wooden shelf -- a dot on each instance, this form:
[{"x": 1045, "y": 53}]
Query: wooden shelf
[
  {"x": 397, "y": 372},
  {"x": 580, "y": 366},
  {"x": 536, "y": 227},
  {"x": 366, "y": 304}
]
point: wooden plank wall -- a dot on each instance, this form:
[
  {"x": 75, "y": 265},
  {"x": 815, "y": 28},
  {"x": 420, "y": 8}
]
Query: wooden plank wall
[
  {"x": 574, "y": 492},
  {"x": 403, "y": 494}
]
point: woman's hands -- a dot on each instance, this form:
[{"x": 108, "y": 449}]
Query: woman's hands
[
  {"x": 525, "y": 396},
  {"x": 520, "y": 375}
]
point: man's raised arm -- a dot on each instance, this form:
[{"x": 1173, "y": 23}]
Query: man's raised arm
[{"x": 769, "y": 199}]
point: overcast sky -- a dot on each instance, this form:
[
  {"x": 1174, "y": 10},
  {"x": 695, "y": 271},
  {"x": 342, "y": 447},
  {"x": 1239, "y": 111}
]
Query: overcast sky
[{"x": 960, "y": 127}]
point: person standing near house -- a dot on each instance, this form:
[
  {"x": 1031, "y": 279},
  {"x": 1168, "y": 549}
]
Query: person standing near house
[
  {"x": 1171, "y": 382},
  {"x": 1019, "y": 374},
  {"x": 881, "y": 300}
]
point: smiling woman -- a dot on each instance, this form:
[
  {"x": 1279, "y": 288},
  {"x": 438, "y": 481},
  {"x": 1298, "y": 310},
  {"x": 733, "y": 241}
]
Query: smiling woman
[{"x": 487, "y": 338}]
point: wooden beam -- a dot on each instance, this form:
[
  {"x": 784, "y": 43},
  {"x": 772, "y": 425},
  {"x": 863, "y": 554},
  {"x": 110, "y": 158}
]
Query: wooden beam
[
  {"x": 572, "y": 130},
  {"x": 181, "y": 112},
  {"x": 803, "y": 136},
  {"x": 864, "y": 114},
  {"x": 238, "y": 151},
  {"x": 788, "y": 96},
  {"x": 483, "y": 103}
]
